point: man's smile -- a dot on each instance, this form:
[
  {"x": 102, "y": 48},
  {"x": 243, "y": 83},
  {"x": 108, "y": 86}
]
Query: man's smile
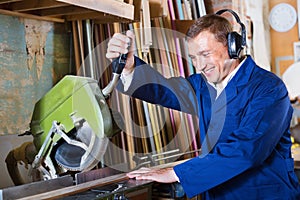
[{"x": 208, "y": 70}]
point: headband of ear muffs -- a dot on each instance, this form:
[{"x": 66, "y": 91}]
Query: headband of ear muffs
[{"x": 236, "y": 42}]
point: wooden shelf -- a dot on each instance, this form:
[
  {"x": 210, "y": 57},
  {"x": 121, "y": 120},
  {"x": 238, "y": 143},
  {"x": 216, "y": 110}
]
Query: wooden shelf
[
  {"x": 67, "y": 10},
  {"x": 182, "y": 26}
]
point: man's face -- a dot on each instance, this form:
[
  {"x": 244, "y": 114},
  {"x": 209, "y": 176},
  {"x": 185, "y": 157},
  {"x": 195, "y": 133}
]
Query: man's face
[{"x": 210, "y": 57}]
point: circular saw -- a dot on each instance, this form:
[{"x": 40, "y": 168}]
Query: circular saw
[{"x": 71, "y": 125}]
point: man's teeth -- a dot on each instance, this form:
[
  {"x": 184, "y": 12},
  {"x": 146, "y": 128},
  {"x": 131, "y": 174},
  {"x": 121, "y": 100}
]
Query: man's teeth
[{"x": 209, "y": 69}]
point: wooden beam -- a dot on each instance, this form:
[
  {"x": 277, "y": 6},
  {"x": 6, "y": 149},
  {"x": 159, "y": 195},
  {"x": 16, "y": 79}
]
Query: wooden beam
[
  {"x": 115, "y": 8},
  {"x": 33, "y": 188},
  {"x": 8, "y": 1},
  {"x": 29, "y": 5},
  {"x": 67, "y": 191},
  {"x": 68, "y": 10},
  {"x": 110, "y": 20},
  {"x": 99, "y": 18},
  {"x": 182, "y": 26},
  {"x": 76, "y": 46},
  {"x": 17, "y": 14}
]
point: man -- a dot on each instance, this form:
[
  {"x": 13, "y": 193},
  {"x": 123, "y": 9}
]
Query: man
[{"x": 244, "y": 117}]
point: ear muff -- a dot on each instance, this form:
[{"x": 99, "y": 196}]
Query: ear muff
[{"x": 236, "y": 42}]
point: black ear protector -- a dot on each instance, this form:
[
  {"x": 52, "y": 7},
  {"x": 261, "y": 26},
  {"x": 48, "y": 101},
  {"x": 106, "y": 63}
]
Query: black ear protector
[{"x": 236, "y": 42}]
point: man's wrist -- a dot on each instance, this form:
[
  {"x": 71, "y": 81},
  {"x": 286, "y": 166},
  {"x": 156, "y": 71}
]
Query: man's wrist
[{"x": 175, "y": 176}]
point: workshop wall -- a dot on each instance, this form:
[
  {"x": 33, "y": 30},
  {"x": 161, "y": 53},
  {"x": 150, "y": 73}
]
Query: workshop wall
[
  {"x": 282, "y": 43},
  {"x": 34, "y": 55}
]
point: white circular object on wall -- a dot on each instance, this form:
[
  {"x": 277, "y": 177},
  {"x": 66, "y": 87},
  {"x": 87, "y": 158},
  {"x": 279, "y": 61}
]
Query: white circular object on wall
[{"x": 283, "y": 17}]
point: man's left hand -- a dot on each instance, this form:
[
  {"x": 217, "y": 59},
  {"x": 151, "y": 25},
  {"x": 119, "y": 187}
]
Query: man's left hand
[{"x": 162, "y": 175}]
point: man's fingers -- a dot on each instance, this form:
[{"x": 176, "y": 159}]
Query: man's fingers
[
  {"x": 145, "y": 177},
  {"x": 116, "y": 50},
  {"x": 122, "y": 37},
  {"x": 112, "y": 55},
  {"x": 164, "y": 175},
  {"x": 131, "y": 35},
  {"x": 141, "y": 176},
  {"x": 138, "y": 172},
  {"x": 120, "y": 40},
  {"x": 117, "y": 45}
]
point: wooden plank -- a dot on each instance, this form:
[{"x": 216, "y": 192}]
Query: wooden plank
[
  {"x": 81, "y": 70},
  {"x": 17, "y": 14},
  {"x": 105, "y": 11},
  {"x": 99, "y": 18},
  {"x": 111, "y": 19},
  {"x": 89, "y": 15},
  {"x": 66, "y": 10},
  {"x": 30, "y": 5},
  {"x": 76, "y": 46},
  {"x": 156, "y": 8},
  {"x": 182, "y": 26},
  {"x": 106, "y": 6},
  {"x": 67, "y": 191},
  {"x": 37, "y": 187},
  {"x": 71, "y": 190},
  {"x": 8, "y": 1}
]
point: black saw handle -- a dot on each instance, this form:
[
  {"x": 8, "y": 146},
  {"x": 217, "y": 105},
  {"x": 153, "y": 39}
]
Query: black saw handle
[{"x": 119, "y": 63}]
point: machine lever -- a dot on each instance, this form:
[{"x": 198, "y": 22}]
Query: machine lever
[{"x": 118, "y": 65}]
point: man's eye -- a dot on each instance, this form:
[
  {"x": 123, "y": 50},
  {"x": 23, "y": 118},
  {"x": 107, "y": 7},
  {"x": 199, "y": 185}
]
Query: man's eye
[{"x": 193, "y": 57}]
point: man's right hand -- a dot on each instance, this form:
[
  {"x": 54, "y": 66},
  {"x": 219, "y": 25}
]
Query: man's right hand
[{"x": 122, "y": 44}]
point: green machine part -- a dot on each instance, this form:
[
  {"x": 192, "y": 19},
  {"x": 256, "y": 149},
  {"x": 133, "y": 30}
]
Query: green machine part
[{"x": 72, "y": 100}]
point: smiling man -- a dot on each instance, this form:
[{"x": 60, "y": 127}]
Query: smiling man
[
  {"x": 244, "y": 115},
  {"x": 208, "y": 57}
]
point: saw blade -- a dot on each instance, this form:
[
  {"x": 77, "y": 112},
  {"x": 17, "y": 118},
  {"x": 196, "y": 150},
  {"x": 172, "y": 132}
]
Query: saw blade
[
  {"x": 69, "y": 156},
  {"x": 76, "y": 158}
]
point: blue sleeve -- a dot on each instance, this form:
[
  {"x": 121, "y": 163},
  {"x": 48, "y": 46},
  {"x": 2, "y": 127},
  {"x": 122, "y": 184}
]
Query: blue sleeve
[{"x": 150, "y": 86}]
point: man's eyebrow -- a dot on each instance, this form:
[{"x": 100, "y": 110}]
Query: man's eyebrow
[{"x": 199, "y": 53}]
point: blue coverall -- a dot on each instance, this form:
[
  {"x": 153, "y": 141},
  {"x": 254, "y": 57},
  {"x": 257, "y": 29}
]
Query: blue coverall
[{"x": 247, "y": 150}]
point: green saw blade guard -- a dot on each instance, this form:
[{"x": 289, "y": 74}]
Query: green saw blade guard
[{"x": 72, "y": 99}]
